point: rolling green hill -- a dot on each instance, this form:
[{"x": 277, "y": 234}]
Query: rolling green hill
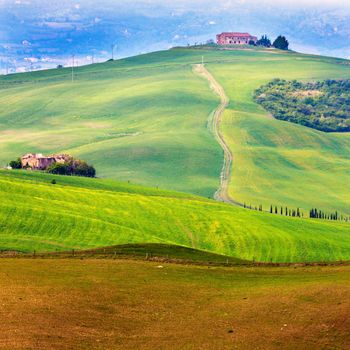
[
  {"x": 277, "y": 162},
  {"x": 87, "y": 213},
  {"x": 147, "y": 120},
  {"x": 144, "y": 119}
]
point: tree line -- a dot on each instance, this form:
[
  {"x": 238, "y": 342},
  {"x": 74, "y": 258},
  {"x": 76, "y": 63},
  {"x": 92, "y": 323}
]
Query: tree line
[
  {"x": 314, "y": 213},
  {"x": 280, "y": 42},
  {"x": 320, "y": 214}
]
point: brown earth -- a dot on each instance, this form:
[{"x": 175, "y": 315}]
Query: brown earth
[{"x": 114, "y": 304}]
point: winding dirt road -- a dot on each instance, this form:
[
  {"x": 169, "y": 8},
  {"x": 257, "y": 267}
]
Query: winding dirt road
[{"x": 222, "y": 194}]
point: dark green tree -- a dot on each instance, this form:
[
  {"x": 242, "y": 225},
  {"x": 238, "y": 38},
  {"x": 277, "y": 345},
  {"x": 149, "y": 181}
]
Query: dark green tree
[
  {"x": 81, "y": 168},
  {"x": 59, "y": 169},
  {"x": 264, "y": 41},
  {"x": 281, "y": 43},
  {"x": 16, "y": 164}
]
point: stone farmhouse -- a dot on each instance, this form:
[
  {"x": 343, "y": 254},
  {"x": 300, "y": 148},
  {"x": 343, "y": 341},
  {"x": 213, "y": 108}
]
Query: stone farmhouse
[
  {"x": 36, "y": 161},
  {"x": 235, "y": 38}
]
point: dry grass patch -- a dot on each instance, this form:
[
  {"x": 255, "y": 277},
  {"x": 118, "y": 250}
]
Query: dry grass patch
[{"x": 106, "y": 304}]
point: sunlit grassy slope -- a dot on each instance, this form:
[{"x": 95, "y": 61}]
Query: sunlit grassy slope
[
  {"x": 86, "y": 213},
  {"x": 278, "y": 162},
  {"x": 144, "y": 119}
]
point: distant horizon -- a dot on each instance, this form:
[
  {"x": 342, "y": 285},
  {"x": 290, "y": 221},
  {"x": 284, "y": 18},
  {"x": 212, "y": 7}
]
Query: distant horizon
[
  {"x": 101, "y": 61},
  {"x": 36, "y": 35}
]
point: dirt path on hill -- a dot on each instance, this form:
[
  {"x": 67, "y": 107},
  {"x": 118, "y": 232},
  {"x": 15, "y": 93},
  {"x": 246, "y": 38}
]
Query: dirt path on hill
[{"x": 222, "y": 194}]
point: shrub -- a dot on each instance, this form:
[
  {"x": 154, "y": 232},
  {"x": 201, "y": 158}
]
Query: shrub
[
  {"x": 81, "y": 168},
  {"x": 59, "y": 169},
  {"x": 16, "y": 164},
  {"x": 72, "y": 167}
]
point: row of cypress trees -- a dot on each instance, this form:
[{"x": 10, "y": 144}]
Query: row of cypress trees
[
  {"x": 320, "y": 214},
  {"x": 286, "y": 211},
  {"x": 314, "y": 213}
]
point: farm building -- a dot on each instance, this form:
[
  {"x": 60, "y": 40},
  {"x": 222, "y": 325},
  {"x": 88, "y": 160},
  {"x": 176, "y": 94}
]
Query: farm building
[
  {"x": 37, "y": 161},
  {"x": 235, "y": 38}
]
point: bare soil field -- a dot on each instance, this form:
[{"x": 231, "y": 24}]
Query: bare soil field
[{"x": 116, "y": 304}]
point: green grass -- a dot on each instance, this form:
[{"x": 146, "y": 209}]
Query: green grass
[
  {"x": 135, "y": 120},
  {"x": 277, "y": 162},
  {"x": 90, "y": 213},
  {"x": 144, "y": 120},
  {"x": 145, "y": 251}
]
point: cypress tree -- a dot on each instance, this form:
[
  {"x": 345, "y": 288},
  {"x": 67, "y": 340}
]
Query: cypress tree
[{"x": 281, "y": 43}]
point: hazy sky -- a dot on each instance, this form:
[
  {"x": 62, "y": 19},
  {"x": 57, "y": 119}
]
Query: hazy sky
[{"x": 38, "y": 34}]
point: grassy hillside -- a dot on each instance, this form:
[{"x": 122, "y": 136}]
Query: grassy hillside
[
  {"x": 87, "y": 213},
  {"x": 110, "y": 304},
  {"x": 277, "y": 162},
  {"x": 144, "y": 119}
]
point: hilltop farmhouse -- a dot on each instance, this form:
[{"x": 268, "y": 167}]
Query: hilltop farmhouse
[
  {"x": 235, "y": 39},
  {"x": 37, "y": 161}
]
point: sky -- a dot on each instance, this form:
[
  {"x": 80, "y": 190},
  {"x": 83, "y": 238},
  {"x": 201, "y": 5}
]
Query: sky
[{"x": 38, "y": 34}]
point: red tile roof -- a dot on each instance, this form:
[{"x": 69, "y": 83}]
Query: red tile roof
[{"x": 239, "y": 35}]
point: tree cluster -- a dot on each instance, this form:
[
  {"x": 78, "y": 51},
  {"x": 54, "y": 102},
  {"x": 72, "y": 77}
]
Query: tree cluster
[
  {"x": 280, "y": 42},
  {"x": 323, "y": 105},
  {"x": 264, "y": 41},
  {"x": 72, "y": 167}
]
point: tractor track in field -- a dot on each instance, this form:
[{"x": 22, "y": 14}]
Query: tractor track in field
[{"x": 222, "y": 194}]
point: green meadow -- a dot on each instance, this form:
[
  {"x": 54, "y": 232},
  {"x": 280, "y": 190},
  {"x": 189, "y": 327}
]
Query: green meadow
[
  {"x": 144, "y": 119},
  {"x": 277, "y": 162},
  {"x": 81, "y": 213}
]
